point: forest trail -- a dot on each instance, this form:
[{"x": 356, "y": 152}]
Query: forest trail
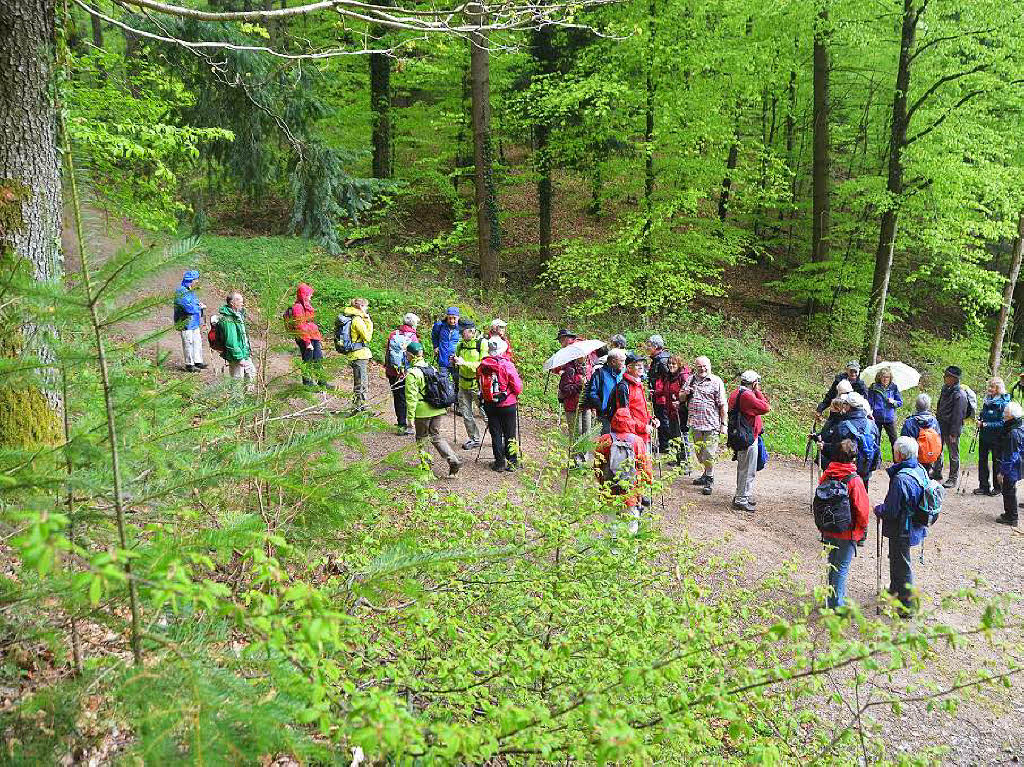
[{"x": 966, "y": 548}]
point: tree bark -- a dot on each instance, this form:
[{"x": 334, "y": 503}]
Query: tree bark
[
  {"x": 822, "y": 168},
  {"x": 894, "y": 187},
  {"x": 97, "y": 30},
  {"x": 544, "y": 55},
  {"x": 30, "y": 197},
  {"x": 488, "y": 231},
  {"x": 650, "y": 87},
  {"x": 730, "y": 165},
  {"x": 995, "y": 355},
  {"x": 380, "y": 109}
]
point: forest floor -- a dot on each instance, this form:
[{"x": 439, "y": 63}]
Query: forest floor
[{"x": 965, "y": 549}]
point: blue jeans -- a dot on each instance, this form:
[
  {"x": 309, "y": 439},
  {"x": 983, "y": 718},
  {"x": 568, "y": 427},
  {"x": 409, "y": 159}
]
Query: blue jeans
[{"x": 840, "y": 555}]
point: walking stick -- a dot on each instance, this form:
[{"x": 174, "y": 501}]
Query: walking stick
[
  {"x": 519, "y": 437},
  {"x": 480, "y": 447},
  {"x": 878, "y": 566},
  {"x": 961, "y": 485},
  {"x": 661, "y": 470}
]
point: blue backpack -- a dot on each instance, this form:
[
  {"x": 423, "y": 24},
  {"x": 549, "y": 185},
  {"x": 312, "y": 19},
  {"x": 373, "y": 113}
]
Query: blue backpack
[{"x": 867, "y": 452}]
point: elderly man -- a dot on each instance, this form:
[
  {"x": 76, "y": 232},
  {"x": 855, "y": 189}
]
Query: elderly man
[
  {"x": 600, "y": 389},
  {"x": 752, "y": 404},
  {"x": 907, "y": 481},
  {"x": 951, "y": 412},
  {"x": 852, "y": 376},
  {"x": 1011, "y": 455},
  {"x": 237, "y": 352},
  {"x": 704, "y": 393}
]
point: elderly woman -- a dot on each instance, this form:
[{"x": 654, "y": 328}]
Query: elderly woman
[
  {"x": 848, "y": 421},
  {"x": 885, "y": 399},
  {"x": 990, "y": 423},
  {"x": 1012, "y": 443}
]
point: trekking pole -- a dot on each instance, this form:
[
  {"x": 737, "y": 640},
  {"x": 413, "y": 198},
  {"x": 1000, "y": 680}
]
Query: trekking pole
[
  {"x": 661, "y": 470},
  {"x": 480, "y": 447},
  {"x": 961, "y": 485},
  {"x": 878, "y": 566},
  {"x": 519, "y": 436}
]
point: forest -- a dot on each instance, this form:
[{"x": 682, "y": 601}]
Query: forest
[{"x": 193, "y": 571}]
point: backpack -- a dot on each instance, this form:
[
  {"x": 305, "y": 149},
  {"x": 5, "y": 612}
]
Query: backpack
[
  {"x": 831, "y": 506},
  {"x": 867, "y": 452},
  {"x": 932, "y": 495},
  {"x": 180, "y": 315},
  {"x": 740, "y": 434},
  {"x": 972, "y": 402},
  {"x": 215, "y": 335},
  {"x": 929, "y": 444},
  {"x": 394, "y": 355},
  {"x": 289, "y": 319},
  {"x": 620, "y": 470},
  {"x": 343, "y": 342},
  {"x": 492, "y": 389},
  {"x": 438, "y": 389}
]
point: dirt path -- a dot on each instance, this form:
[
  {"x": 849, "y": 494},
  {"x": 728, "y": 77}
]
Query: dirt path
[{"x": 965, "y": 549}]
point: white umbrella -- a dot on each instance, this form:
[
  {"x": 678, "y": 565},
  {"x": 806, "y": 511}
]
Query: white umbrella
[
  {"x": 904, "y": 376},
  {"x": 573, "y": 351}
]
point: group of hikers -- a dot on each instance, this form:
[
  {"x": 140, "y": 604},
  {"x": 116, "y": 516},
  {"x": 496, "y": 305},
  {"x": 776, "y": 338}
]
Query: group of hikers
[{"x": 654, "y": 403}]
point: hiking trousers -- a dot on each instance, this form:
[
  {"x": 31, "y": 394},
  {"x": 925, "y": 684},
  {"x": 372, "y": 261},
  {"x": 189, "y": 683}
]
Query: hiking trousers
[
  {"x": 502, "y": 423},
  {"x": 192, "y": 345},
  {"x": 746, "y": 470},
  {"x": 1010, "y": 500},
  {"x": 360, "y": 382},
  {"x": 664, "y": 431},
  {"x": 952, "y": 443},
  {"x": 398, "y": 394},
  {"x": 243, "y": 369},
  {"x": 312, "y": 359},
  {"x": 431, "y": 427},
  {"x": 890, "y": 432},
  {"x": 705, "y": 443},
  {"x": 840, "y": 555},
  {"x": 988, "y": 444},
  {"x": 577, "y": 424},
  {"x": 467, "y": 398},
  {"x": 901, "y": 575}
]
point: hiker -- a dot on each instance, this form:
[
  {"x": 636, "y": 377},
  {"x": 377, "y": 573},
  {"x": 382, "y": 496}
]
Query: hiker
[
  {"x": 907, "y": 481},
  {"x": 885, "y": 399},
  {"x": 630, "y": 394},
  {"x": 188, "y": 318},
  {"x": 990, "y": 435},
  {"x": 445, "y": 336},
  {"x": 951, "y": 412},
  {"x": 752, "y": 404},
  {"x": 232, "y": 332},
  {"x": 601, "y": 386},
  {"x": 1018, "y": 387},
  {"x": 360, "y": 333},
  {"x": 848, "y": 421},
  {"x": 1011, "y": 456},
  {"x": 618, "y": 341},
  {"x": 656, "y": 375},
  {"x": 570, "y": 388},
  {"x": 500, "y": 387},
  {"x": 704, "y": 395},
  {"x": 308, "y": 337},
  {"x": 499, "y": 333},
  {"x": 427, "y": 417},
  {"x": 622, "y": 465},
  {"x": 852, "y": 375},
  {"x": 395, "y": 363},
  {"x": 466, "y": 358},
  {"x": 669, "y": 389},
  {"x": 842, "y": 544},
  {"x": 923, "y": 427}
]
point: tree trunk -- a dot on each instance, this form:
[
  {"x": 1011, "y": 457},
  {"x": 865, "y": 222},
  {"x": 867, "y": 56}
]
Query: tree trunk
[
  {"x": 650, "y": 86},
  {"x": 894, "y": 187},
  {"x": 730, "y": 165},
  {"x": 97, "y": 30},
  {"x": 30, "y": 197},
  {"x": 822, "y": 168},
  {"x": 995, "y": 355},
  {"x": 380, "y": 110},
  {"x": 488, "y": 232},
  {"x": 544, "y": 55}
]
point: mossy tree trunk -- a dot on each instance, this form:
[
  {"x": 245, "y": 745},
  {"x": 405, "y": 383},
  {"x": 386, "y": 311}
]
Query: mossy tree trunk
[{"x": 30, "y": 201}]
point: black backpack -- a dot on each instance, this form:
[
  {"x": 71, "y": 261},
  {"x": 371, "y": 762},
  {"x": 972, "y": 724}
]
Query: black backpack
[
  {"x": 831, "y": 506},
  {"x": 740, "y": 434},
  {"x": 438, "y": 390}
]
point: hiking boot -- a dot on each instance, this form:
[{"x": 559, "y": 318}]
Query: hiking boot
[
  {"x": 469, "y": 444},
  {"x": 706, "y": 490},
  {"x": 453, "y": 468},
  {"x": 191, "y": 369},
  {"x": 497, "y": 465},
  {"x": 701, "y": 480},
  {"x": 326, "y": 385},
  {"x": 743, "y": 506},
  {"x": 949, "y": 483},
  {"x": 1005, "y": 520},
  {"x": 981, "y": 491},
  {"x": 995, "y": 491},
  {"x": 202, "y": 365}
]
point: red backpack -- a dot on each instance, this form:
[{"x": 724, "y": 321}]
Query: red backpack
[
  {"x": 215, "y": 337},
  {"x": 493, "y": 386}
]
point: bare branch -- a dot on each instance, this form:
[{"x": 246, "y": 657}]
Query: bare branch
[{"x": 939, "y": 83}]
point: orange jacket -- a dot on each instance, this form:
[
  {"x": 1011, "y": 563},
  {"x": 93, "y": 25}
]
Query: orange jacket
[{"x": 621, "y": 425}]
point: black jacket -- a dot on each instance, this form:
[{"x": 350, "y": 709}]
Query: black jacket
[
  {"x": 858, "y": 386},
  {"x": 951, "y": 410}
]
